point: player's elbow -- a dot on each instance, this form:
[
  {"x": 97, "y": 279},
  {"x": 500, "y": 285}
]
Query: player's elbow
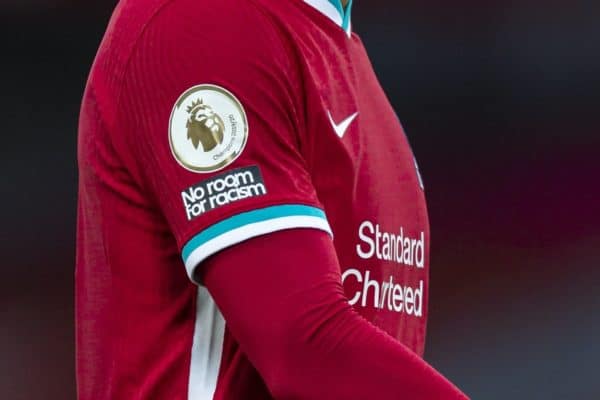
[{"x": 306, "y": 346}]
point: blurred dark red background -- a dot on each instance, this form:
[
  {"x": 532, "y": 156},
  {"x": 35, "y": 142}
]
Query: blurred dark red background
[{"x": 501, "y": 103}]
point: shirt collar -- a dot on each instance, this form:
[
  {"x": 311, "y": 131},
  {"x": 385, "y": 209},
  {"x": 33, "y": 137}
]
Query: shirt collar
[{"x": 335, "y": 11}]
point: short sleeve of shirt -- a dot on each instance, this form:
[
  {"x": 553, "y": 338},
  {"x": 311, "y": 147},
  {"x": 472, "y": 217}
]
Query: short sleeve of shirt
[{"x": 210, "y": 121}]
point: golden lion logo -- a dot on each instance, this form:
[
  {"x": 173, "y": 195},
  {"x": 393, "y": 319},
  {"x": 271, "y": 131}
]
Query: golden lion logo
[{"x": 204, "y": 126}]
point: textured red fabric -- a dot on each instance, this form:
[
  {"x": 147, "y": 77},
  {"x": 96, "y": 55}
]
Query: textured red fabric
[
  {"x": 325, "y": 139},
  {"x": 291, "y": 317}
]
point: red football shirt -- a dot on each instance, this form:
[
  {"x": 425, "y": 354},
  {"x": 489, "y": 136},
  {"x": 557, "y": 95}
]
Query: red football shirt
[{"x": 206, "y": 124}]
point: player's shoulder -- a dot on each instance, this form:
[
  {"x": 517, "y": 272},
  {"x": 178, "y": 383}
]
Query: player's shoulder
[
  {"x": 234, "y": 23},
  {"x": 154, "y": 43},
  {"x": 220, "y": 26}
]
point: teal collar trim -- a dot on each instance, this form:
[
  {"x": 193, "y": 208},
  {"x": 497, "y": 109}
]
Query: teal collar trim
[
  {"x": 335, "y": 11},
  {"x": 344, "y": 12}
]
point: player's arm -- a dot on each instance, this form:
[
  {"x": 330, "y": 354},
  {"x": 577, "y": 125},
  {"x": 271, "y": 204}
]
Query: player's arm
[
  {"x": 278, "y": 286},
  {"x": 283, "y": 301}
]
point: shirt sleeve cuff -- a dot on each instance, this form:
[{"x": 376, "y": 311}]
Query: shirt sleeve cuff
[{"x": 247, "y": 225}]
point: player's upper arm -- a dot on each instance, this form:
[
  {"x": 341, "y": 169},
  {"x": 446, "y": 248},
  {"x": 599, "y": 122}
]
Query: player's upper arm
[{"x": 213, "y": 118}]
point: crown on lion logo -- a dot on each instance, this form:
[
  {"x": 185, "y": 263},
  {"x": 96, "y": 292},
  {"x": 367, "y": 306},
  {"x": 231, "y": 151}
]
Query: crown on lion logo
[
  {"x": 190, "y": 109},
  {"x": 204, "y": 126}
]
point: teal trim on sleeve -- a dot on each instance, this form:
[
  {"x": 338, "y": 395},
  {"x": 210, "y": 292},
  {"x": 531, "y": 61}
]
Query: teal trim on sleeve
[{"x": 250, "y": 217}]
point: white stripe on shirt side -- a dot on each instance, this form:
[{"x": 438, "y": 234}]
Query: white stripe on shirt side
[{"x": 207, "y": 348}]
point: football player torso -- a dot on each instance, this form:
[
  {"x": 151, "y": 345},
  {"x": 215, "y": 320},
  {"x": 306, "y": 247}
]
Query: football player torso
[
  {"x": 366, "y": 176},
  {"x": 273, "y": 98}
]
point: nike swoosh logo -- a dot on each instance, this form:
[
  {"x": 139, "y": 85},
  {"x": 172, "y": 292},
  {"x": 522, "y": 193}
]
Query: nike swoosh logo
[{"x": 341, "y": 128}]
